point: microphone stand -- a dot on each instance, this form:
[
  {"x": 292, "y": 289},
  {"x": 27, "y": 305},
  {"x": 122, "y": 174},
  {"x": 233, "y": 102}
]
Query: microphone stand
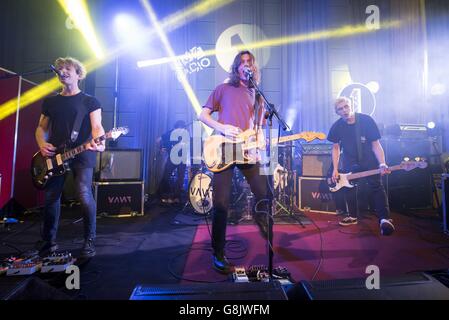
[{"x": 269, "y": 116}]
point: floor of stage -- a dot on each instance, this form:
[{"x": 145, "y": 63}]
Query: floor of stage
[{"x": 158, "y": 249}]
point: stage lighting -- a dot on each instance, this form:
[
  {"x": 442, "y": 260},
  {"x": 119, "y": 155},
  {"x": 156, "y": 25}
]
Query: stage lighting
[
  {"x": 128, "y": 30},
  {"x": 431, "y": 125},
  {"x": 438, "y": 89},
  {"x": 373, "y": 86}
]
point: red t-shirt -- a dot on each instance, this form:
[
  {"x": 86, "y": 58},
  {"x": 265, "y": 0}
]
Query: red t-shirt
[{"x": 235, "y": 105}]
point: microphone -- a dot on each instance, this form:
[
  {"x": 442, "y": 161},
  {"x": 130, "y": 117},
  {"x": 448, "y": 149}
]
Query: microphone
[
  {"x": 247, "y": 72},
  {"x": 53, "y": 68}
]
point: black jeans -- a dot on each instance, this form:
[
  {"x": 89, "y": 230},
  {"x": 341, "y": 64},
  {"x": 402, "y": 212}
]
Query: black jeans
[
  {"x": 377, "y": 192},
  {"x": 52, "y": 210},
  {"x": 222, "y": 183}
]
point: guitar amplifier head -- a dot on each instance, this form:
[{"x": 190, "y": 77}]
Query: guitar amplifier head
[
  {"x": 316, "y": 165},
  {"x": 316, "y": 148}
]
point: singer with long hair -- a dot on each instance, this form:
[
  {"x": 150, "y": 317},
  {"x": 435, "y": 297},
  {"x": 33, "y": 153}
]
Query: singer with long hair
[{"x": 238, "y": 109}]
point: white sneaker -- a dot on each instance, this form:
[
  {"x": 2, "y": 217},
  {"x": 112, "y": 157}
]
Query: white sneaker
[{"x": 386, "y": 227}]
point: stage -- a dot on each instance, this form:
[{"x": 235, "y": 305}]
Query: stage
[{"x": 154, "y": 251}]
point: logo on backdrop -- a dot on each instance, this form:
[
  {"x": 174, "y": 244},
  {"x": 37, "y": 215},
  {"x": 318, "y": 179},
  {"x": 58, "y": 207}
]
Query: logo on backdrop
[
  {"x": 192, "y": 61},
  {"x": 363, "y": 99},
  {"x": 237, "y": 35}
]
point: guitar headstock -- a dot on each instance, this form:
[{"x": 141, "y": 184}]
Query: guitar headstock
[
  {"x": 117, "y": 132},
  {"x": 410, "y": 165},
  {"x": 310, "y": 135}
]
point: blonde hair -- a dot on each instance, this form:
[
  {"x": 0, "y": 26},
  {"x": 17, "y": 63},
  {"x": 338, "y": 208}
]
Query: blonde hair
[
  {"x": 341, "y": 100},
  {"x": 69, "y": 61}
]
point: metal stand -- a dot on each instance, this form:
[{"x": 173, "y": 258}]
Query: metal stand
[{"x": 271, "y": 201}]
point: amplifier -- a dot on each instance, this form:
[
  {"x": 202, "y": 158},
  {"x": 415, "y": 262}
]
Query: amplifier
[
  {"x": 314, "y": 195},
  {"x": 119, "y": 199},
  {"x": 445, "y": 200},
  {"x": 119, "y": 165},
  {"x": 316, "y": 165},
  {"x": 316, "y": 148}
]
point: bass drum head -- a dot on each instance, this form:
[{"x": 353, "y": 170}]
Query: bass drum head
[{"x": 200, "y": 193}]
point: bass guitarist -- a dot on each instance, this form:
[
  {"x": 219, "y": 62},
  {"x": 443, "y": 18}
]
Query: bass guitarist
[
  {"x": 356, "y": 137},
  {"x": 238, "y": 110},
  {"x": 70, "y": 117}
]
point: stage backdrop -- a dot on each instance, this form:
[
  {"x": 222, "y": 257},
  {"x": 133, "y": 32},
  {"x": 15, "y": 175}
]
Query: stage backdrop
[{"x": 300, "y": 77}]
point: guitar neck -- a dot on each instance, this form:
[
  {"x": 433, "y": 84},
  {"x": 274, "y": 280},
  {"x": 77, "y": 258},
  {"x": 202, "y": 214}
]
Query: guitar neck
[
  {"x": 364, "y": 174},
  {"x": 287, "y": 138},
  {"x": 73, "y": 152}
]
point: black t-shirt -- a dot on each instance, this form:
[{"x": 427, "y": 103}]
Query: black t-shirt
[
  {"x": 63, "y": 111},
  {"x": 345, "y": 134}
]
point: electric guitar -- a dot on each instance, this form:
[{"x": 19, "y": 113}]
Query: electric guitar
[
  {"x": 344, "y": 179},
  {"x": 221, "y": 152},
  {"x": 44, "y": 168}
]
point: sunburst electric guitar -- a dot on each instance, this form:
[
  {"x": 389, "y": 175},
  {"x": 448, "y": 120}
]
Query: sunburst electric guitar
[
  {"x": 221, "y": 152},
  {"x": 346, "y": 179},
  {"x": 44, "y": 168}
]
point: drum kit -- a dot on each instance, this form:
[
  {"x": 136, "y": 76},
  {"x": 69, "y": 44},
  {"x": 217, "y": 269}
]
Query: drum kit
[{"x": 200, "y": 189}]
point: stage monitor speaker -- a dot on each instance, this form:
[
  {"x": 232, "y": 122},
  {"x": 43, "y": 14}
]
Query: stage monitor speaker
[
  {"x": 418, "y": 286},
  {"x": 119, "y": 165},
  {"x": 33, "y": 288},
  {"x": 316, "y": 165},
  {"x": 211, "y": 291}
]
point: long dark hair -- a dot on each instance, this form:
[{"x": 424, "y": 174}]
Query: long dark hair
[{"x": 234, "y": 77}]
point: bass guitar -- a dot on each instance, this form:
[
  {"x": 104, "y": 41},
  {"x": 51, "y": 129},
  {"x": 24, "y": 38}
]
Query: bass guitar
[{"x": 345, "y": 179}]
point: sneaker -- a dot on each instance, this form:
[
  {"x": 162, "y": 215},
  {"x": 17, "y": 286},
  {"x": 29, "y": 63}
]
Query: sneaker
[
  {"x": 43, "y": 248},
  {"x": 222, "y": 265},
  {"x": 386, "y": 227},
  {"x": 88, "y": 250},
  {"x": 348, "y": 221}
]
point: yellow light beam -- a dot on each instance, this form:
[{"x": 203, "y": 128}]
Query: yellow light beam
[
  {"x": 78, "y": 11},
  {"x": 170, "y": 23},
  {"x": 344, "y": 31},
  {"x": 171, "y": 53}
]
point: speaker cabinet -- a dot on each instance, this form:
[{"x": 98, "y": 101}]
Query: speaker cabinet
[
  {"x": 117, "y": 199},
  {"x": 408, "y": 189},
  {"x": 211, "y": 291},
  {"x": 314, "y": 195},
  {"x": 316, "y": 165},
  {"x": 418, "y": 286},
  {"x": 119, "y": 165}
]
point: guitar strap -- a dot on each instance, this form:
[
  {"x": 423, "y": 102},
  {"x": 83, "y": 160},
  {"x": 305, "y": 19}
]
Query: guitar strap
[
  {"x": 358, "y": 139},
  {"x": 77, "y": 126}
]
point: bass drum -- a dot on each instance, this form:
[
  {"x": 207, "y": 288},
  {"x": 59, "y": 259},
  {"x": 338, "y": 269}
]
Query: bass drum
[{"x": 200, "y": 193}]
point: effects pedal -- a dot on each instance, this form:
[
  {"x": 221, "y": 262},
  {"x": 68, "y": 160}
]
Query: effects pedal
[
  {"x": 239, "y": 275},
  {"x": 57, "y": 262},
  {"x": 24, "y": 267}
]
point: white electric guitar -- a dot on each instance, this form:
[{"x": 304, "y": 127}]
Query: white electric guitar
[{"x": 344, "y": 179}]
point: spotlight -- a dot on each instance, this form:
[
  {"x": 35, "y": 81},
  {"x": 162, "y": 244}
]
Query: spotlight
[
  {"x": 438, "y": 89},
  {"x": 373, "y": 86},
  {"x": 431, "y": 125},
  {"x": 128, "y": 29}
]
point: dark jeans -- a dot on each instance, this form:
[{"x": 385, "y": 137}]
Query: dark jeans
[
  {"x": 377, "y": 193},
  {"x": 222, "y": 183},
  {"x": 164, "y": 190},
  {"x": 52, "y": 210}
]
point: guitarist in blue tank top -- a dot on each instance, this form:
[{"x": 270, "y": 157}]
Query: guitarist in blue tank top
[
  {"x": 75, "y": 117},
  {"x": 355, "y": 138}
]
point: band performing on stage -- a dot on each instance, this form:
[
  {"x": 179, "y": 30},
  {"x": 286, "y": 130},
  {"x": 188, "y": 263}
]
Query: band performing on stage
[{"x": 292, "y": 144}]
